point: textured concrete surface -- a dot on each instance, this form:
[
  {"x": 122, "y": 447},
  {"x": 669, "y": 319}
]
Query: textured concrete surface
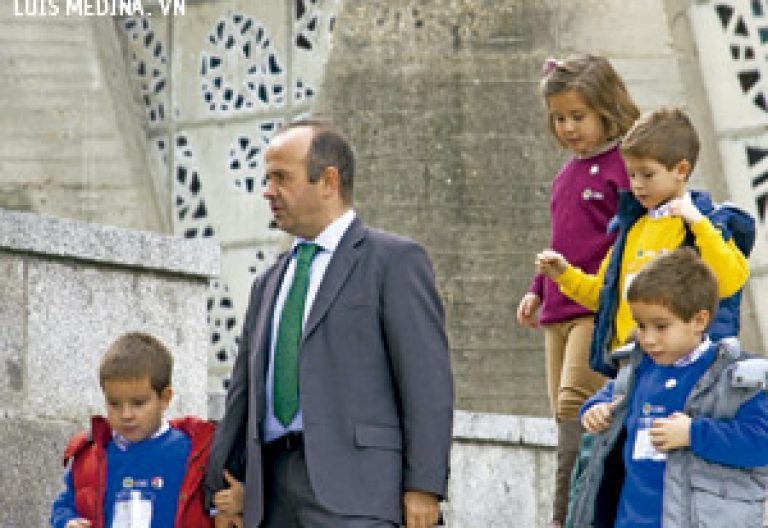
[
  {"x": 32, "y": 468},
  {"x": 72, "y": 141},
  {"x": 28, "y": 232},
  {"x": 89, "y": 307},
  {"x": 12, "y": 319},
  {"x": 502, "y": 471}
]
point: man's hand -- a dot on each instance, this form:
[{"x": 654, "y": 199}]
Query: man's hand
[
  {"x": 420, "y": 509},
  {"x": 78, "y": 523},
  {"x": 598, "y": 418},
  {"x": 551, "y": 263},
  {"x": 526, "y": 310},
  {"x": 672, "y": 432},
  {"x": 230, "y": 500},
  {"x": 684, "y": 208}
]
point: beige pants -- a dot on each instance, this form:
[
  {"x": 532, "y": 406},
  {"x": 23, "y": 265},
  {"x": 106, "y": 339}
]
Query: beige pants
[{"x": 570, "y": 381}]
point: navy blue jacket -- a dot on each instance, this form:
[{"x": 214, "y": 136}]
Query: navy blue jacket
[{"x": 729, "y": 219}]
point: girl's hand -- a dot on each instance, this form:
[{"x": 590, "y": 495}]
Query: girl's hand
[{"x": 526, "y": 310}]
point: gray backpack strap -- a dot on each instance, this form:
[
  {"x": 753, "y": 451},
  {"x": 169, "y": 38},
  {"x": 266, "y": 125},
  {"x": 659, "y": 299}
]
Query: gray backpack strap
[
  {"x": 629, "y": 357},
  {"x": 621, "y": 383}
]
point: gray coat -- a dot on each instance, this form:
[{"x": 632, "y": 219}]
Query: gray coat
[
  {"x": 376, "y": 388},
  {"x": 697, "y": 493}
]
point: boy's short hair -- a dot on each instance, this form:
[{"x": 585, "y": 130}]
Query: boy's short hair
[
  {"x": 678, "y": 280},
  {"x": 137, "y": 355},
  {"x": 665, "y": 135}
]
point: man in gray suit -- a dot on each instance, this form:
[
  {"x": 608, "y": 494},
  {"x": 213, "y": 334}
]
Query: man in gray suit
[{"x": 339, "y": 411}]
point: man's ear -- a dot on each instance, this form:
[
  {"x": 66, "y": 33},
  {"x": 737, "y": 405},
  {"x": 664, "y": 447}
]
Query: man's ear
[{"x": 331, "y": 179}]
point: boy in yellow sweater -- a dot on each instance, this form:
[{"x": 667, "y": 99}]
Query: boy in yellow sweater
[{"x": 659, "y": 215}]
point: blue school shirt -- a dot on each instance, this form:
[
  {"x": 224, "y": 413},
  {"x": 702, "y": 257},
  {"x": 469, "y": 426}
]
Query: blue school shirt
[{"x": 153, "y": 468}]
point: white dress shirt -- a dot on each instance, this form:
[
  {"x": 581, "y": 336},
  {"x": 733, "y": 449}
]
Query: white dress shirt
[{"x": 327, "y": 241}]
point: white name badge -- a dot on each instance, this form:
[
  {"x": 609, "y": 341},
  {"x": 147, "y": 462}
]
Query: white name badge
[
  {"x": 133, "y": 509},
  {"x": 643, "y": 448}
]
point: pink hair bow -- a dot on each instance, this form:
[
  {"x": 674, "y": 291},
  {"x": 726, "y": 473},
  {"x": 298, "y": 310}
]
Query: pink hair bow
[{"x": 549, "y": 65}]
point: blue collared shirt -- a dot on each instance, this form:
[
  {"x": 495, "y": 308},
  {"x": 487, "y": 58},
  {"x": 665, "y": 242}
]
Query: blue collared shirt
[
  {"x": 662, "y": 210},
  {"x": 328, "y": 240}
]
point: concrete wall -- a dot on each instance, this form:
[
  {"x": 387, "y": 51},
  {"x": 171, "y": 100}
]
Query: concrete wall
[
  {"x": 68, "y": 290},
  {"x": 72, "y": 139},
  {"x": 440, "y": 100},
  {"x": 502, "y": 470}
]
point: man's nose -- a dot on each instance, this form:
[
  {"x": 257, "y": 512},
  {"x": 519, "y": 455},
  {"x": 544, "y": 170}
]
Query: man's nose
[{"x": 269, "y": 190}]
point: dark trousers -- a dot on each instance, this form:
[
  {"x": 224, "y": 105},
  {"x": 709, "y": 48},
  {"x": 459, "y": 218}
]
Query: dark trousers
[{"x": 289, "y": 501}]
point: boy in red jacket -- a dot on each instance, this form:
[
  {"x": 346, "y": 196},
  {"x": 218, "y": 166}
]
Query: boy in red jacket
[{"x": 134, "y": 468}]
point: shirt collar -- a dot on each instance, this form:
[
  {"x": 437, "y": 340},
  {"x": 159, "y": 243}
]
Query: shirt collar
[
  {"x": 123, "y": 443},
  {"x": 329, "y": 238},
  {"x": 661, "y": 211},
  {"x": 694, "y": 355},
  {"x": 601, "y": 149}
]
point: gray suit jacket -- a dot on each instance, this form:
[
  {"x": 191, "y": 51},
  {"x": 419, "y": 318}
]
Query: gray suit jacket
[{"x": 376, "y": 388}]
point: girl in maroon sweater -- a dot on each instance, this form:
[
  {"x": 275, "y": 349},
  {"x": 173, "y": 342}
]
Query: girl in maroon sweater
[{"x": 589, "y": 110}]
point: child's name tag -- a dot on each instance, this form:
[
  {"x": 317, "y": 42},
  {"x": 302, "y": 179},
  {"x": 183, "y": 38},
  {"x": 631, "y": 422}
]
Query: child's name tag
[
  {"x": 132, "y": 510},
  {"x": 643, "y": 448}
]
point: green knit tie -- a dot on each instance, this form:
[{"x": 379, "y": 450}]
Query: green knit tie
[{"x": 286, "y": 381}]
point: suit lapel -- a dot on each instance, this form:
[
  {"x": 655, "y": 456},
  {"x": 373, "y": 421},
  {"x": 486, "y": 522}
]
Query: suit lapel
[{"x": 342, "y": 263}]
